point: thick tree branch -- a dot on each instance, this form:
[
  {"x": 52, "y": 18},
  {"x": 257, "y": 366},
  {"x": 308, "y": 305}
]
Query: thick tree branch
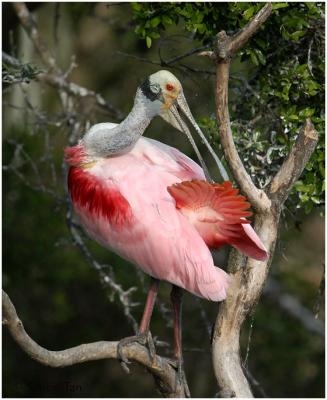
[
  {"x": 160, "y": 367},
  {"x": 294, "y": 164},
  {"x": 55, "y": 76},
  {"x": 248, "y": 275},
  {"x": 257, "y": 197},
  {"x": 225, "y": 47}
]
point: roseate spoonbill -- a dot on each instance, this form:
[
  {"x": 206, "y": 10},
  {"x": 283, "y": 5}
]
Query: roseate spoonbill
[{"x": 152, "y": 205}]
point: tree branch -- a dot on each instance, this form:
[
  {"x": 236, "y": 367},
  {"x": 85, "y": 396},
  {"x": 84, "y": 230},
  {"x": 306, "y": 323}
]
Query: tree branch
[
  {"x": 55, "y": 77},
  {"x": 160, "y": 367},
  {"x": 225, "y": 47},
  {"x": 291, "y": 305},
  {"x": 61, "y": 83},
  {"x": 294, "y": 164},
  {"x": 31, "y": 29},
  {"x": 248, "y": 275},
  {"x": 257, "y": 197},
  {"x": 239, "y": 40}
]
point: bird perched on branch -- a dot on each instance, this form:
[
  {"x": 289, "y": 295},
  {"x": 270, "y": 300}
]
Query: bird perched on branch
[{"x": 153, "y": 206}]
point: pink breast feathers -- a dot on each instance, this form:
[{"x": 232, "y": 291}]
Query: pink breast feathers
[
  {"x": 99, "y": 199},
  {"x": 75, "y": 155}
]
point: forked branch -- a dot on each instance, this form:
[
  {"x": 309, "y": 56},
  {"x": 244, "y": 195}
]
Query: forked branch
[
  {"x": 160, "y": 367},
  {"x": 248, "y": 275},
  {"x": 292, "y": 167},
  {"x": 225, "y": 48}
]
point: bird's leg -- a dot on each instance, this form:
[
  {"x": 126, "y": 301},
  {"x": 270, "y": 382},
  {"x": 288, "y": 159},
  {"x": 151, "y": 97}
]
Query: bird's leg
[
  {"x": 176, "y": 299},
  {"x": 143, "y": 336}
]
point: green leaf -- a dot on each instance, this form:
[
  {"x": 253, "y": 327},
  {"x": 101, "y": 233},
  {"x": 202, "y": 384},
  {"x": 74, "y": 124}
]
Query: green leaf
[
  {"x": 276, "y": 6},
  {"x": 137, "y": 6},
  {"x": 297, "y": 35},
  {"x": 167, "y": 20},
  {"x": 308, "y": 207},
  {"x": 148, "y": 41},
  {"x": 253, "y": 57},
  {"x": 260, "y": 56},
  {"x": 306, "y": 112},
  {"x": 155, "y": 35},
  {"x": 155, "y": 22},
  {"x": 248, "y": 13}
]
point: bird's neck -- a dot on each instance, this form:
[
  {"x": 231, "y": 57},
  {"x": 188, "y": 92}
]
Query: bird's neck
[{"x": 106, "y": 142}]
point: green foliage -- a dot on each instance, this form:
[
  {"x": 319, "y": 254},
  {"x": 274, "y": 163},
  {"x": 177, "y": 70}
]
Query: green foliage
[
  {"x": 19, "y": 73},
  {"x": 283, "y": 84}
]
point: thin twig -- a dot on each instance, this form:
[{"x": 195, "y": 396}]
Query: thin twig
[{"x": 292, "y": 306}]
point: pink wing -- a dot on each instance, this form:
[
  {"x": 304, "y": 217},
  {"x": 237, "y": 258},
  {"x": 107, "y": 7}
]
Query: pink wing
[{"x": 169, "y": 159}]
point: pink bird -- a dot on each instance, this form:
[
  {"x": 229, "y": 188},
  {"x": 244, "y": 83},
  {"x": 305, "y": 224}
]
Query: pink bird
[{"x": 152, "y": 205}]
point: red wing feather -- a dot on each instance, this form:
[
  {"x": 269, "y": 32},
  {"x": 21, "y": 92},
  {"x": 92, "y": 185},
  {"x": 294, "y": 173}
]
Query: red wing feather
[
  {"x": 219, "y": 213},
  {"x": 98, "y": 198},
  {"x": 222, "y": 199}
]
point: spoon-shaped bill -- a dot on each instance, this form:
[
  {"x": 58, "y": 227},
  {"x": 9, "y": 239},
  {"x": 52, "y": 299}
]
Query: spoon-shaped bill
[
  {"x": 172, "y": 116},
  {"x": 183, "y": 106}
]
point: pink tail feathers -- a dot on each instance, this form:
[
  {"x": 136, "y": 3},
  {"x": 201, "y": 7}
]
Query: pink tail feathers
[
  {"x": 216, "y": 289},
  {"x": 250, "y": 244}
]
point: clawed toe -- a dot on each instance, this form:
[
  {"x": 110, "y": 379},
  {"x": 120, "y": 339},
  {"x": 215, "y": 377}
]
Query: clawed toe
[
  {"x": 151, "y": 346},
  {"x": 143, "y": 339},
  {"x": 178, "y": 364}
]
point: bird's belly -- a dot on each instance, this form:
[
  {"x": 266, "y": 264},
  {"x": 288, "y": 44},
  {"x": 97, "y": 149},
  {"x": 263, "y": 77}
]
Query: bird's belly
[{"x": 152, "y": 247}]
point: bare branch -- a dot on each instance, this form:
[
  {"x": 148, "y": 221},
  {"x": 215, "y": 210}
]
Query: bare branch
[
  {"x": 225, "y": 47},
  {"x": 30, "y": 27},
  {"x": 172, "y": 62},
  {"x": 209, "y": 54},
  {"x": 290, "y": 304},
  {"x": 257, "y": 197},
  {"x": 61, "y": 83},
  {"x": 10, "y": 60},
  {"x": 241, "y": 37},
  {"x": 185, "y": 55},
  {"x": 55, "y": 77},
  {"x": 293, "y": 166},
  {"x": 158, "y": 366}
]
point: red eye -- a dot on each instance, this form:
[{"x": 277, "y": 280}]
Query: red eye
[{"x": 169, "y": 87}]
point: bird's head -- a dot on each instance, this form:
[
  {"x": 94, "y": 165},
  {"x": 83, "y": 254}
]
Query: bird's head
[
  {"x": 164, "y": 95},
  {"x": 161, "y": 90}
]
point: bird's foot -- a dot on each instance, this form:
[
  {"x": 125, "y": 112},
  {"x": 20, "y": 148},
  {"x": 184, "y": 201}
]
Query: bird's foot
[
  {"x": 143, "y": 339},
  {"x": 178, "y": 364}
]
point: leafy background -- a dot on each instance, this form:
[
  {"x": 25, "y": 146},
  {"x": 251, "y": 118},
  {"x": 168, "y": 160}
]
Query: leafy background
[{"x": 276, "y": 83}]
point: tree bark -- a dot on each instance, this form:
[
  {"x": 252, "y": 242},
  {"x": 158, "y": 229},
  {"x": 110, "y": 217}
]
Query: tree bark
[{"x": 248, "y": 275}]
